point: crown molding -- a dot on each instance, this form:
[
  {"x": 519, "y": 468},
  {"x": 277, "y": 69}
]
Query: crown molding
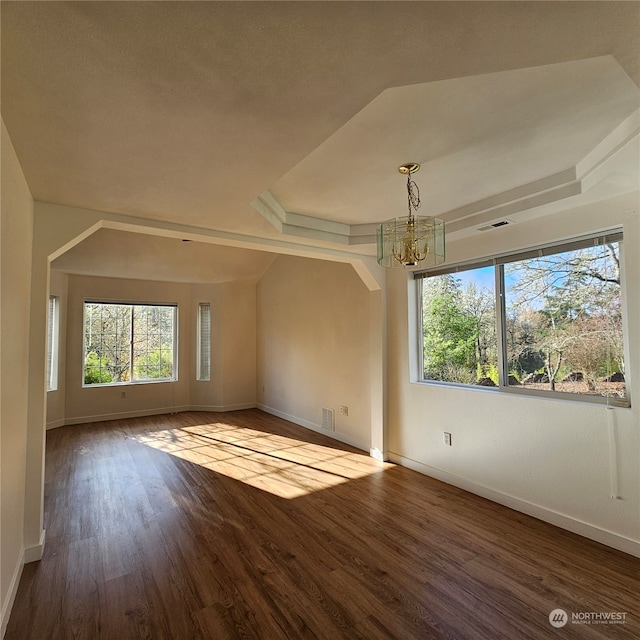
[{"x": 304, "y": 226}]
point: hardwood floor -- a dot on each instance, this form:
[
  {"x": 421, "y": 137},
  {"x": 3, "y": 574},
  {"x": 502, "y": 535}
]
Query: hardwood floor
[{"x": 241, "y": 525}]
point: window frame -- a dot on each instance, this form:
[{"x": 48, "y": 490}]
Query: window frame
[
  {"x": 132, "y": 304},
  {"x": 498, "y": 262}
]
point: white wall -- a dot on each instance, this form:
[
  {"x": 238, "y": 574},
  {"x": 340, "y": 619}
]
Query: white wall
[
  {"x": 549, "y": 458},
  {"x": 16, "y": 229},
  {"x": 314, "y": 345}
]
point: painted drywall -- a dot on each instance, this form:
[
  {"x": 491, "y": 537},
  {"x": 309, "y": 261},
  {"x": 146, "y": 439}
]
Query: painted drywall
[
  {"x": 233, "y": 361},
  {"x": 550, "y": 458},
  {"x": 208, "y": 394},
  {"x": 121, "y": 254},
  {"x": 314, "y": 345},
  {"x": 107, "y": 402},
  {"x": 59, "y": 228},
  {"x": 58, "y": 286},
  {"x": 233, "y": 347},
  {"x": 237, "y": 317},
  {"x": 16, "y": 234}
]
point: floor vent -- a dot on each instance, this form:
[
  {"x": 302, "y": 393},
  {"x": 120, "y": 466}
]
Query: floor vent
[
  {"x": 328, "y": 419},
  {"x": 495, "y": 225}
]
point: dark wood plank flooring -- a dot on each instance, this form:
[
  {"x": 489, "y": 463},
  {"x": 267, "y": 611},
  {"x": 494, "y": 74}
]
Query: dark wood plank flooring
[{"x": 242, "y": 525}]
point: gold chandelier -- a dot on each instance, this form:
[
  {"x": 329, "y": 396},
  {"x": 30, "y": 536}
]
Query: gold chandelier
[{"x": 407, "y": 242}]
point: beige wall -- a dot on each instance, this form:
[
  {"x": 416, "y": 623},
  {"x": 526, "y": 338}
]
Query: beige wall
[
  {"x": 314, "y": 345},
  {"x": 315, "y": 348},
  {"x": 233, "y": 338},
  {"x": 16, "y": 228},
  {"x": 84, "y": 404},
  {"x": 549, "y": 458},
  {"x": 233, "y": 359},
  {"x": 210, "y": 393}
]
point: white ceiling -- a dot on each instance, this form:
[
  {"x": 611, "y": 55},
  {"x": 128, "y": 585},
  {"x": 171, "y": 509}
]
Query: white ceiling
[
  {"x": 475, "y": 137},
  {"x": 186, "y": 112},
  {"x": 119, "y": 254}
]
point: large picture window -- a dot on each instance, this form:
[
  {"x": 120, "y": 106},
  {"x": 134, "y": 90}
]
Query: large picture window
[
  {"x": 126, "y": 343},
  {"x": 547, "y": 322}
]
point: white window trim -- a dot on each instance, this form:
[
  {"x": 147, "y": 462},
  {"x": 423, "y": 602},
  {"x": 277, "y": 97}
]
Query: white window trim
[{"x": 173, "y": 305}]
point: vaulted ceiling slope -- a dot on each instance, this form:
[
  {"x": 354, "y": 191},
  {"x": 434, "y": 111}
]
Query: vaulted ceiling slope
[{"x": 189, "y": 112}]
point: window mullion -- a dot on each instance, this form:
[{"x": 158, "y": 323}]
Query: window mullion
[
  {"x": 132, "y": 337},
  {"x": 501, "y": 327},
  {"x": 420, "y": 319}
]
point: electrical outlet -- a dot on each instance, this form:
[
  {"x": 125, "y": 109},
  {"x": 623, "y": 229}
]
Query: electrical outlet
[
  {"x": 447, "y": 438},
  {"x": 344, "y": 410}
]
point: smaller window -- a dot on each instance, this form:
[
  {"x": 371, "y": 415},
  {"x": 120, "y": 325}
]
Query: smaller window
[
  {"x": 53, "y": 331},
  {"x": 459, "y": 327},
  {"x": 203, "y": 368},
  {"x": 563, "y": 324}
]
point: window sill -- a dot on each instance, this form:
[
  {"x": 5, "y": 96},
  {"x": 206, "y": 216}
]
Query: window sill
[
  {"x": 617, "y": 403},
  {"x": 128, "y": 384}
]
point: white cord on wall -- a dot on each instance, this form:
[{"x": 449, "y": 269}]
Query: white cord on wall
[{"x": 613, "y": 453}]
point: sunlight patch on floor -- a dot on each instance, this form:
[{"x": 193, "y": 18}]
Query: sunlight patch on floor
[{"x": 286, "y": 467}]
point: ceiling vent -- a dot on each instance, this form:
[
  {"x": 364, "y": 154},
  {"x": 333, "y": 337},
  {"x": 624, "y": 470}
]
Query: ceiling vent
[{"x": 495, "y": 225}]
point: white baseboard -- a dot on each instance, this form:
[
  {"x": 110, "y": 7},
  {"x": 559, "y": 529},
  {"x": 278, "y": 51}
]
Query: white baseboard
[
  {"x": 34, "y": 553},
  {"x": 608, "y": 538},
  {"x": 222, "y": 408},
  {"x": 7, "y": 605},
  {"x": 215, "y": 409},
  {"x": 149, "y": 412},
  {"x": 312, "y": 426},
  {"x": 125, "y": 414}
]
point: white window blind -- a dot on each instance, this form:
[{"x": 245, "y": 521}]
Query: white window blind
[
  {"x": 204, "y": 342},
  {"x": 52, "y": 344}
]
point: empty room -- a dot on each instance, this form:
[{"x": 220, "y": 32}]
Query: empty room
[{"x": 320, "y": 320}]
